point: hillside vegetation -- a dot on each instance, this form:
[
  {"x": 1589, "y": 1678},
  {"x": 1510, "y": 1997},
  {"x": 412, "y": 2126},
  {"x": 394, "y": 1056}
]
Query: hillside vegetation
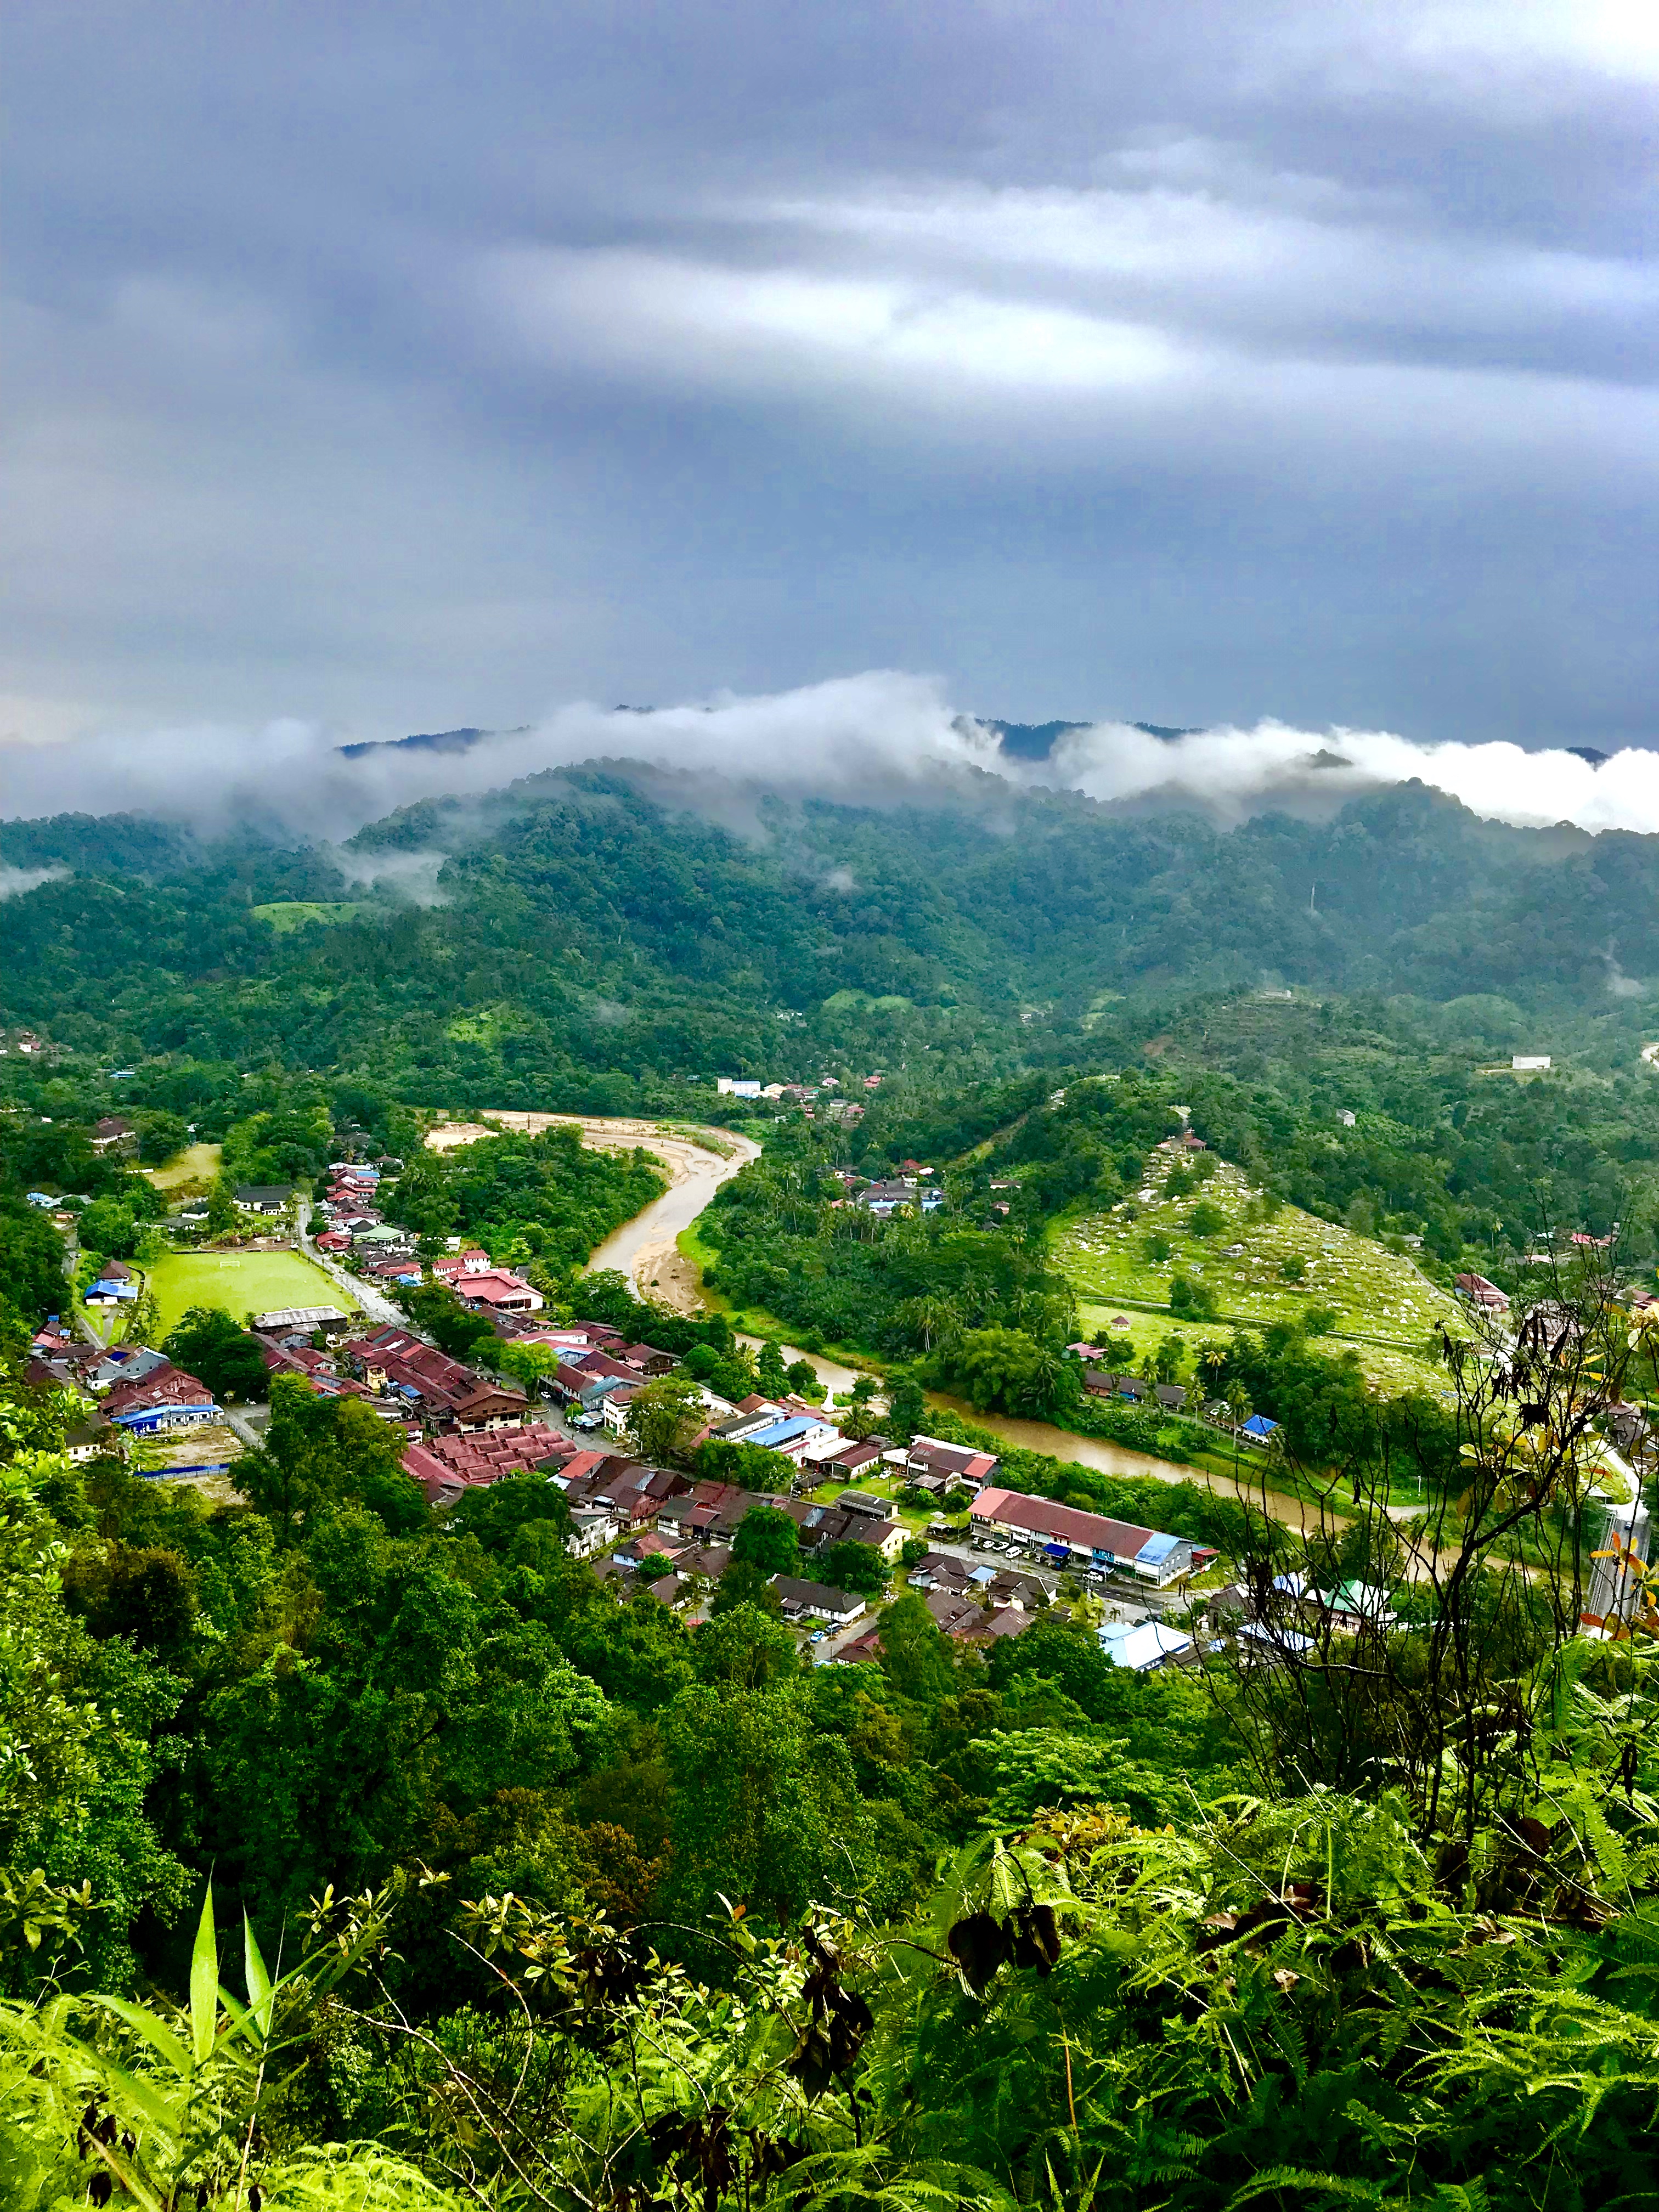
[
  {"x": 590, "y": 937},
  {"x": 1353, "y": 1288},
  {"x": 378, "y": 1863}
]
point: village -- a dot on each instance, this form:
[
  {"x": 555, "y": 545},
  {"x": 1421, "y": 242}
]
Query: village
[
  {"x": 926, "y": 1514},
  {"x": 988, "y": 1558},
  {"x": 991, "y": 1562}
]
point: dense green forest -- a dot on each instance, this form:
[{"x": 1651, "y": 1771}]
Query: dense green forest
[
  {"x": 520, "y": 1893},
  {"x": 585, "y": 939},
  {"x": 544, "y": 1200}
]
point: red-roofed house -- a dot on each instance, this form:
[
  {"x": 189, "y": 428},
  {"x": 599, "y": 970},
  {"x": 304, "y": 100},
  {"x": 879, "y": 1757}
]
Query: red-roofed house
[
  {"x": 452, "y": 1265},
  {"x": 1157, "y": 1558},
  {"x": 498, "y": 1291},
  {"x": 490, "y": 1408}
]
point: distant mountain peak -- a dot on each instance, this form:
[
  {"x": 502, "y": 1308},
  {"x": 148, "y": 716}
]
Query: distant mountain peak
[{"x": 1036, "y": 741}]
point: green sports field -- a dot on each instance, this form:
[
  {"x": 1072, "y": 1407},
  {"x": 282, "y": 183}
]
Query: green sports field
[{"x": 241, "y": 1282}]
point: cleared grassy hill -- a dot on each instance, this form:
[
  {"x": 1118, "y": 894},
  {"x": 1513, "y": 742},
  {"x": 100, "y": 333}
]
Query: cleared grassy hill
[
  {"x": 284, "y": 914},
  {"x": 1127, "y": 1259}
]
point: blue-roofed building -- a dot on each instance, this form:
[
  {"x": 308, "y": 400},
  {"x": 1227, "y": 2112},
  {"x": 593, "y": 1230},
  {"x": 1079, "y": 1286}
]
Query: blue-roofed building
[
  {"x": 1143, "y": 1644},
  {"x": 790, "y": 1435},
  {"x": 1258, "y": 1429},
  {"x": 1163, "y": 1558}
]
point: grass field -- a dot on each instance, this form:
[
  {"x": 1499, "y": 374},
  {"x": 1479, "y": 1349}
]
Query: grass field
[
  {"x": 284, "y": 914},
  {"x": 1385, "y": 1307},
  {"x": 241, "y": 1282},
  {"x": 195, "y": 1163}
]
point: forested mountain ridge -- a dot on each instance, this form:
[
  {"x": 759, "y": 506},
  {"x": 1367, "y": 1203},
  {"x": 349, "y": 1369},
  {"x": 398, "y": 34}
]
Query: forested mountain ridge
[{"x": 606, "y": 922}]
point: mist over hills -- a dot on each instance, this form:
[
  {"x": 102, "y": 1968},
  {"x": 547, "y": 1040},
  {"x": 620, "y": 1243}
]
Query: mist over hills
[
  {"x": 622, "y": 919},
  {"x": 1025, "y": 741},
  {"x": 882, "y": 737}
]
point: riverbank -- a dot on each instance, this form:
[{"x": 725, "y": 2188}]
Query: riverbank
[{"x": 697, "y": 1162}]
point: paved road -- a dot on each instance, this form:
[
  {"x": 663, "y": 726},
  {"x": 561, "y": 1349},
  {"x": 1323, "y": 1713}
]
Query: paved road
[{"x": 374, "y": 1304}]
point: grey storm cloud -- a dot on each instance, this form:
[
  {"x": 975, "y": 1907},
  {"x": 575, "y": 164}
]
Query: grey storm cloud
[{"x": 374, "y": 369}]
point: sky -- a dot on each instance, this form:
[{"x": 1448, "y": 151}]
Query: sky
[{"x": 391, "y": 368}]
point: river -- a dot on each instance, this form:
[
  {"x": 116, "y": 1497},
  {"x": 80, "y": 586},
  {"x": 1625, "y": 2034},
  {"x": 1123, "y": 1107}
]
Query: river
[{"x": 645, "y": 1251}]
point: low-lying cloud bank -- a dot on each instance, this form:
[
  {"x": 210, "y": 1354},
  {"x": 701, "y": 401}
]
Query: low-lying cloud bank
[
  {"x": 13, "y": 882},
  {"x": 881, "y": 736}
]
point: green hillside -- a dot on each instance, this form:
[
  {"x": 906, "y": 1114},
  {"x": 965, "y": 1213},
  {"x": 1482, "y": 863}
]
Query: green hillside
[
  {"x": 1383, "y": 1305},
  {"x": 639, "y": 942}
]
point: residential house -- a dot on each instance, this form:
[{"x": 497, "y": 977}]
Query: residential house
[
  {"x": 264, "y": 1197},
  {"x": 111, "y": 1290},
  {"x": 115, "y": 1133},
  {"x": 1143, "y": 1644},
  {"x": 650, "y": 1362},
  {"x": 675, "y": 1591},
  {"x": 649, "y": 1545},
  {"x": 708, "y": 1560},
  {"x": 1026, "y": 1592},
  {"x": 885, "y": 1198},
  {"x": 941, "y": 1572},
  {"x": 967, "y": 1619},
  {"x": 124, "y": 1364},
  {"x": 836, "y": 1458},
  {"x": 792, "y": 1435},
  {"x": 295, "y": 1359},
  {"x": 1477, "y": 1292},
  {"x": 753, "y": 1414},
  {"x": 959, "y": 1464},
  {"x": 567, "y": 1466},
  {"x": 804, "y": 1600},
  {"x": 455, "y": 1267},
  {"x": 444, "y": 1488},
  {"x": 96, "y": 1438},
  {"x": 490, "y": 1406},
  {"x": 861, "y": 1501},
  {"x": 160, "y": 1403},
  {"x": 638, "y": 1493},
  {"x": 383, "y": 1240},
  {"x": 592, "y": 1528},
  {"x": 599, "y": 1334},
  {"x": 702, "y": 1509},
  {"x": 394, "y": 1360},
  {"x": 614, "y": 1405}
]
